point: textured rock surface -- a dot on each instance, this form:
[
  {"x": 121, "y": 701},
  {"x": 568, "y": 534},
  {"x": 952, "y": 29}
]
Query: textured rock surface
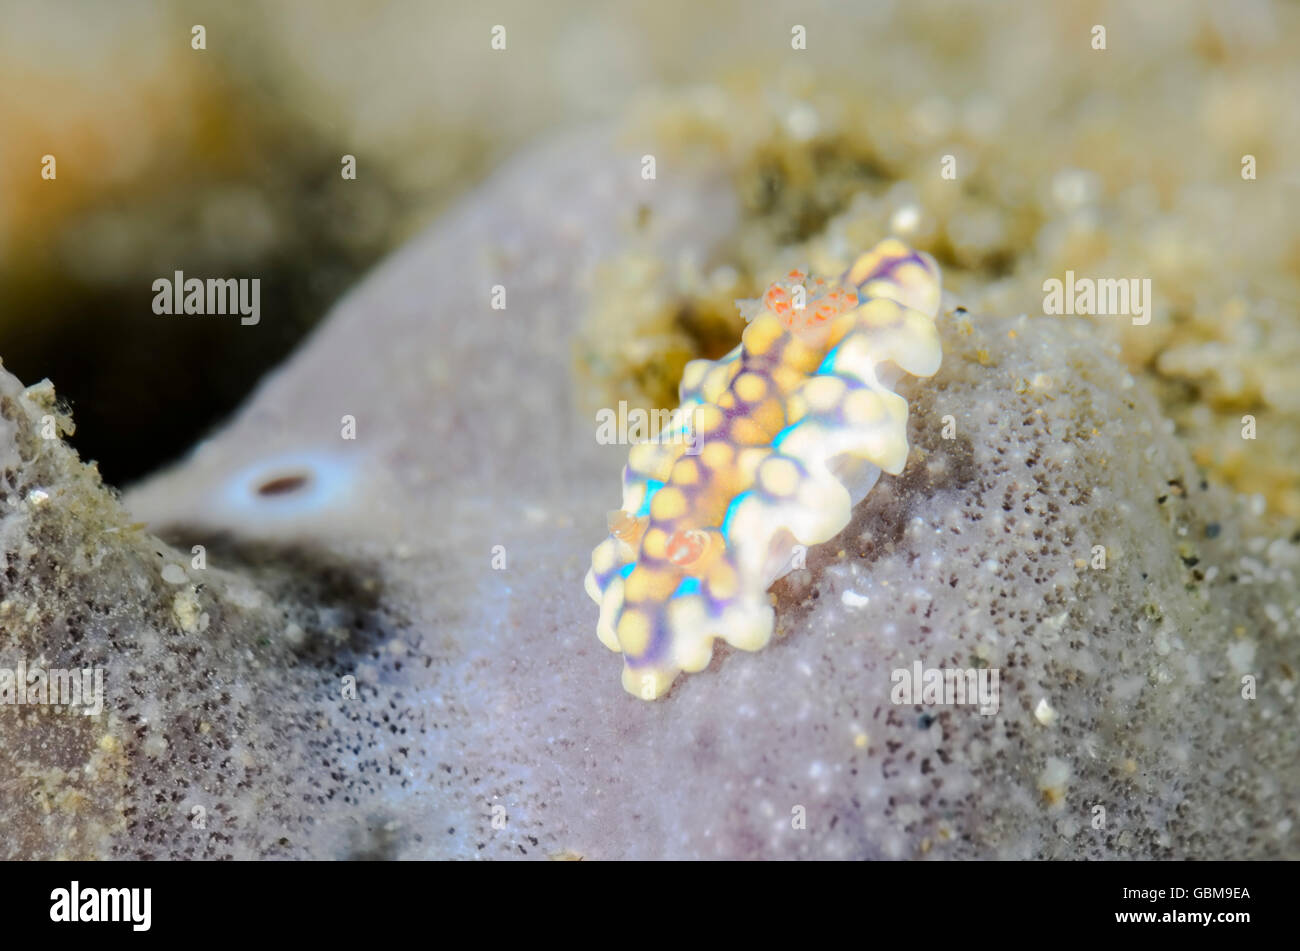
[
  {"x": 483, "y": 693},
  {"x": 209, "y": 703}
]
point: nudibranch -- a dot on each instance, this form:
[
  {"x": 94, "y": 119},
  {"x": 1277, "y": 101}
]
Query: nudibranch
[{"x": 771, "y": 448}]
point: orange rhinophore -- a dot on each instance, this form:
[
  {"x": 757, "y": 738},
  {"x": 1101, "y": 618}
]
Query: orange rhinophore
[{"x": 685, "y": 546}]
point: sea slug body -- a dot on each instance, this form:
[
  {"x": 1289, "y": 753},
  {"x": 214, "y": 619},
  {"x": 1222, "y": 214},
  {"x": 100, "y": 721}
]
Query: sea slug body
[{"x": 771, "y": 447}]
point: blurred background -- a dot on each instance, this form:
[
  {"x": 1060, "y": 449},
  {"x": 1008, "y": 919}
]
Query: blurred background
[{"x": 1124, "y": 161}]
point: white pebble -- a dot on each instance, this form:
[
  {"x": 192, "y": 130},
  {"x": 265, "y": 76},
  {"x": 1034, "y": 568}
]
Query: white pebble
[{"x": 852, "y": 599}]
